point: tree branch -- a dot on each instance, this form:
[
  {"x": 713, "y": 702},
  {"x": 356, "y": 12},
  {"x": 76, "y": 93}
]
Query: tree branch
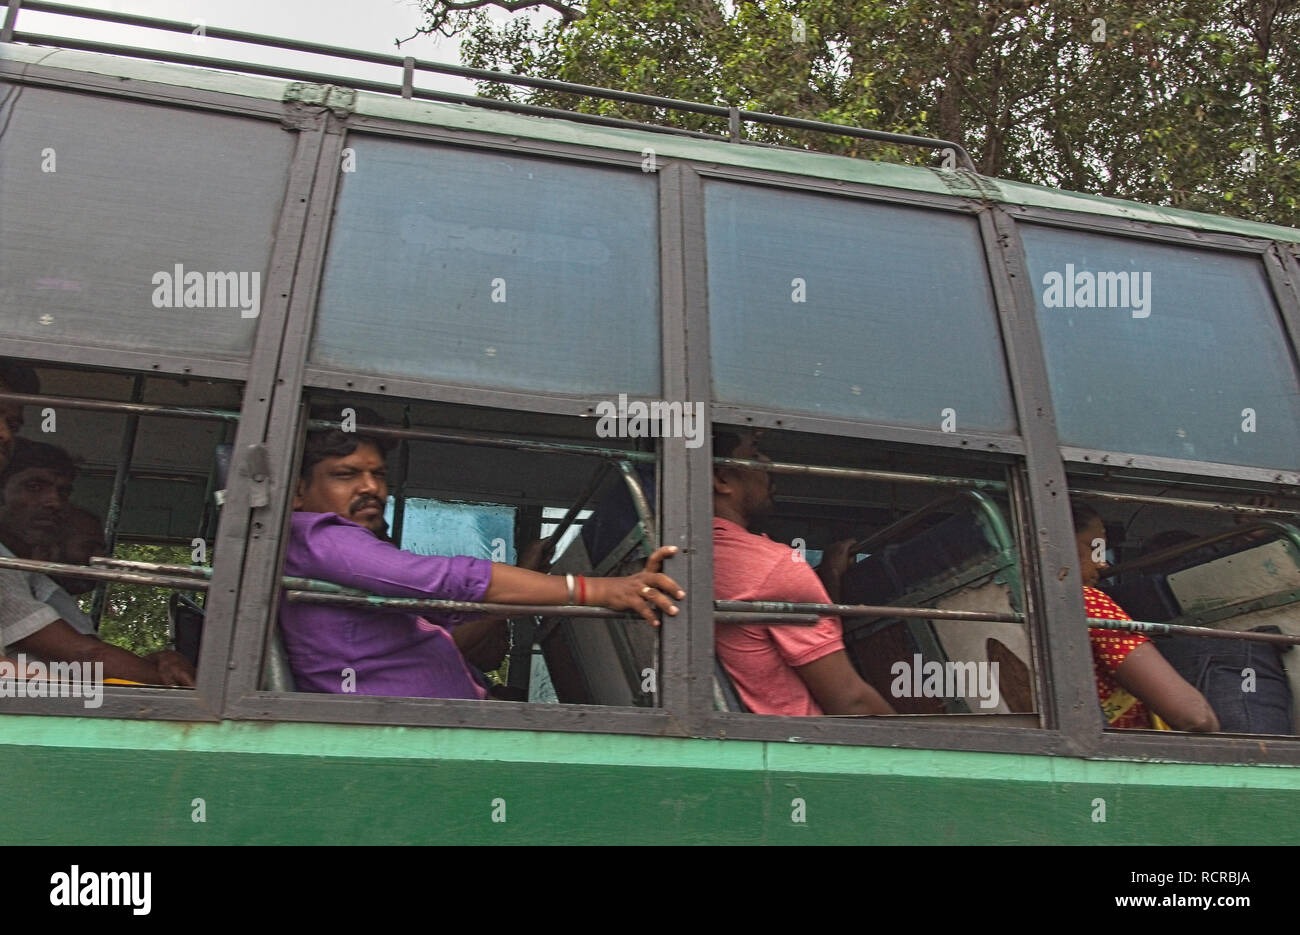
[{"x": 569, "y": 13}]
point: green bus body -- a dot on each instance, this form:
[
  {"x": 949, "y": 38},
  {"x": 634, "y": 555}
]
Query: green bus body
[{"x": 84, "y": 781}]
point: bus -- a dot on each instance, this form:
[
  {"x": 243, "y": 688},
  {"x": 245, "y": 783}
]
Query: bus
[{"x": 548, "y": 315}]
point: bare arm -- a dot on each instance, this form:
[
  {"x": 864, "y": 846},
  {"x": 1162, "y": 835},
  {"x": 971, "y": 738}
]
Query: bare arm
[
  {"x": 839, "y": 689},
  {"x": 59, "y": 642},
  {"x": 643, "y": 592},
  {"x": 1150, "y": 677}
]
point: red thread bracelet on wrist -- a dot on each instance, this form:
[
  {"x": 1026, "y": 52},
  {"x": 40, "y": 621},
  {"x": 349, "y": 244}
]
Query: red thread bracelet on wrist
[{"x": 582, "y": 590}]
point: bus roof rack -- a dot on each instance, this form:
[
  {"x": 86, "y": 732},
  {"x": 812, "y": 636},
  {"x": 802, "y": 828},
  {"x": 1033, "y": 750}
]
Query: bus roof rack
[{"x": 736, "y": 117}]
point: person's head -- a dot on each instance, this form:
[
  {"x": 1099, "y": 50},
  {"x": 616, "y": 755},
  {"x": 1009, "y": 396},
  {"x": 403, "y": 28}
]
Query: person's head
[
  {"x": 83, "y": 538},
  {"x": 35, "y": 488},
  {"x": 742, "y": 495},
  {"x": 1088, "y": 530},
  {"x": 345, "y": 473},
  {"x": 14, "y": 378}
]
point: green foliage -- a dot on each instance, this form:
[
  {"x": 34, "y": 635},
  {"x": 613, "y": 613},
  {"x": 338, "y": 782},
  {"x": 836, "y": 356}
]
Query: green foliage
[
  {"x": 1195, "y": 105},
  {"x": 135, "y": 616}
]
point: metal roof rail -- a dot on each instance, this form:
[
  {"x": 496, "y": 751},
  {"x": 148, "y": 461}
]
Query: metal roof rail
[{"x": 408, "y": 65}]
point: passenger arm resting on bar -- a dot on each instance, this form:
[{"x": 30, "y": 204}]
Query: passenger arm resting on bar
[
  {"x": 59, "y": 642},
  {"x": 641, "y": 593},
  {"x": 1149, "y": 677},
  {"x": 32, "y": 627}
]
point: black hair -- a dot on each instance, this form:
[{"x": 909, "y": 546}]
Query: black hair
[
  {"x": 28, "y": 454},
  {"x": 725, "y": 443},
  {"x": 336, "y": 443},
  {"x": 18, "y": 377},
  {"x": 1082, "y": 514}
]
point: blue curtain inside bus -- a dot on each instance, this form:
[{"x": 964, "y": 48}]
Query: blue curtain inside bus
[
  {"x": 435, "y": 527},
  {"x": 1163, "y": 350},
  {"x": 475, "y": 267},
  {"x": 852, "y": 309}
]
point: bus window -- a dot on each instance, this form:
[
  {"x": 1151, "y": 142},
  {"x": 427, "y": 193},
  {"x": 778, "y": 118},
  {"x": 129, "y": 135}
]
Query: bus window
[
  {"x": 155, "y": 239},
  {"x": 492, "y": 270},
  {"x": 947, "y": 543},
  {"x": 1213, "y": 592},
  {"x": 108, "y": 518},
  {"x": 1163, "y": 350},
  {"x": 852, "y": 309},
  {"x": 407, "y": 509}
]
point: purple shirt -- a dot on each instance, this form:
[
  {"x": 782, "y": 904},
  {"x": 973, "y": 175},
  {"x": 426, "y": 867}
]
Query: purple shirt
[{"x": 391, "y": 652}]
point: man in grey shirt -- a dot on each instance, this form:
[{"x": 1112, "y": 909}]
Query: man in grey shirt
[
  {"x": 34, "y": 628},
  {"x": 35, "y": 489}
]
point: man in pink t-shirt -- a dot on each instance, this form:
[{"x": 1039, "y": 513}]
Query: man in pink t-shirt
[{"x": 790, "y": 670}]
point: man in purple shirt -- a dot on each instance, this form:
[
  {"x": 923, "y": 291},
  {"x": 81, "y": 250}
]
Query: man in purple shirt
[{"x": 335, "y": 535}]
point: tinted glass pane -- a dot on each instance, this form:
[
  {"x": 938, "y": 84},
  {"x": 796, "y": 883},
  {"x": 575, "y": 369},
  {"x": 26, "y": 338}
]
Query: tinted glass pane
[
  {"x": 896, "y": 322},
  {"x": 492, "y": 270},
  {"x": 1180, "y": 353},
  {"x": 102, "y": 200}
]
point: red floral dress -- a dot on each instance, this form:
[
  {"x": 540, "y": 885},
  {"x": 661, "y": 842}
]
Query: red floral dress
[{"x": 1109, "y": 649}]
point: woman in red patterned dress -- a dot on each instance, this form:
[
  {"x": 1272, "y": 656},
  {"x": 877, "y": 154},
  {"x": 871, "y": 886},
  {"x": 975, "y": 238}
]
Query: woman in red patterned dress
[{"x": 1133, "y": 679}]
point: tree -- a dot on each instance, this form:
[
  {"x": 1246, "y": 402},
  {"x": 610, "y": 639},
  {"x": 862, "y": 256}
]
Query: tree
[
  {"x": 135, "y": 615},
  {"x": 1197, "y": 106}
]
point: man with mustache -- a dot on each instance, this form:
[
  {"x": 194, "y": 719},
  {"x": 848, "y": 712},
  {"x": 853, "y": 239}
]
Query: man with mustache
[
  {"x": 33, "y": 627},
  {"x": 335, "y": 535}
]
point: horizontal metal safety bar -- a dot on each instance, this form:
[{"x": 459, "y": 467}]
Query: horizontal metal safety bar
[
  {"x": 1218, "y": 506},
  {"x": 519, "y": 610},
  {"x": 465, "y": 438},
  {"x": 127, "y": 408},
  {"x": 314, "y": 591},
  {"x": 1174, "y": 629},
  {"x": 195, "y": 578},
  {"x": 1276, "y": 530},
  {"x": 619, "y": 454},
  {"x": 150, "y": 577},
  {"x": 407, "y": 65},
  {"x": 849, "y": 473},
  {"x": 869, "y": 610},
  {"x": 741, "y": 608}
]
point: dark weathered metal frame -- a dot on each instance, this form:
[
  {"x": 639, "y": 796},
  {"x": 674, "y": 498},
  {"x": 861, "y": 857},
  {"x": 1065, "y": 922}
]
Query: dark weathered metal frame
[{"x": 244, "y": 585}]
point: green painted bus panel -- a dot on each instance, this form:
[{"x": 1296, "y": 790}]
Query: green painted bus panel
[
  {"x": 816, "y": 165},
  {"x": 84, "y": 781}
]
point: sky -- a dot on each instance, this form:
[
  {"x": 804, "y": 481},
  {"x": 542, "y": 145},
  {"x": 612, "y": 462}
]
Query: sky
[{"x": 370, "y": 25}]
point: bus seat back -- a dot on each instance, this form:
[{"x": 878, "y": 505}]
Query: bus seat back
[
  {"x": 599, "y": 661},
  {"x": 943, "y": 567},
  {"x": 725, "y": 696},
  {"x": 277, "y": 676},
  {"x": 1270, "y": 570}
]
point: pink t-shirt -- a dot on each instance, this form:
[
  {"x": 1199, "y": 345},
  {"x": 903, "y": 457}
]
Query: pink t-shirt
[{"x": 762, "y": 660}]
